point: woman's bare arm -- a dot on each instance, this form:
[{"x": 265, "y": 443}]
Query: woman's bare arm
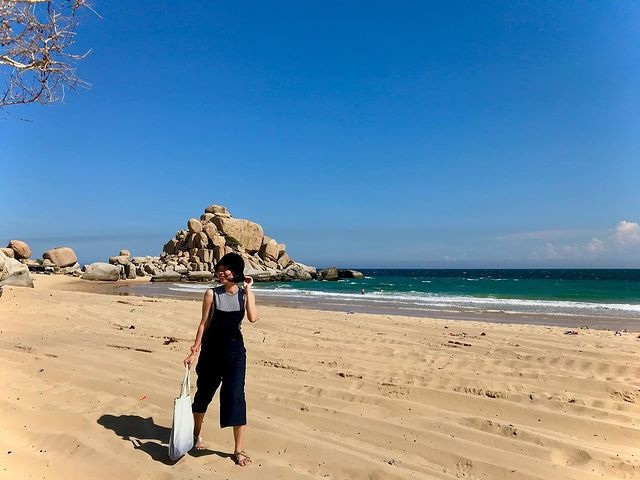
[
  {"x": 250, "y": 300},
  {"x": 207, "y": 304}
]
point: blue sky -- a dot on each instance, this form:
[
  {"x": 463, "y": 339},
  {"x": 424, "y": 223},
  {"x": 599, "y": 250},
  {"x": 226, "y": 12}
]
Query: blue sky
[{"x": 382, "y": 134}]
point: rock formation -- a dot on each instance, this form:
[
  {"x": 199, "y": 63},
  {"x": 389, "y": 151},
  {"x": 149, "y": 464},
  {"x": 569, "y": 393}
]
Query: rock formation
[
  {"x": 205, "y": 240},
  {"x": 189, "y": 256}
]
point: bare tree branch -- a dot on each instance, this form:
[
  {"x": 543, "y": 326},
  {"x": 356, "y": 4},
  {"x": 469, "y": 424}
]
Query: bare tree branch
[{"x": 35, "y": 57}]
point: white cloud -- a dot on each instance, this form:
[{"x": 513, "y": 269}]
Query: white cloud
[
  {"x": 597, "y": 246},
  {"x": 616, "y": 243},
  {"x": 627, "y": 233},
  {"x": 557, "y": 252}
]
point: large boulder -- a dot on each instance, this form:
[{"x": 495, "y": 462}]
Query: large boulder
[
  {"x": 218, "y": 241},
  {"x": 200, "y": 276},
  {"x": 259, "y": 275},
  {"x": 248, "y": 233},
  {"x": 194, "y": 225},
  {"x": 205, "y": 255},
  {"x": 210, "y": 230},
  {"x": 197, "y": 240},
  {"x": 142, "y": 260},
  {"x": 61, "y": 256},
  {"x": 170, "y": 246},
  {"x": 151, "y": 269},
  {"x": 350, "y": 274},
  {"x": 120, "y": 260},
  {"x": 310, "y": 270},
  {"x": 181, "y": 269},
  {"x": 218, "y": 253},
  {"x": 130, "y": 270},
  {"x": 330, "y": 274},
  {"x": 269, "y": 249},
  {"x": 20, "y": 249},
  {"x": 201, "y": 240},
  {"x": 217, "y": 210},
  {"x": 8, "y": 252},
  {"x": 101, "y": 271},
  {"x": 13, "y": 272},
  {"x": 284, "y": 261},
  {"x": 298, "y": 272}
]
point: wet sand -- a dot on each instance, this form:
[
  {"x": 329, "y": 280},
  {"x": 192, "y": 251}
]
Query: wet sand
[{"x": 142, "y": 287}]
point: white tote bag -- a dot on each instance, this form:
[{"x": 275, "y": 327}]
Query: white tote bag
[{"x": 181, "y": 440}]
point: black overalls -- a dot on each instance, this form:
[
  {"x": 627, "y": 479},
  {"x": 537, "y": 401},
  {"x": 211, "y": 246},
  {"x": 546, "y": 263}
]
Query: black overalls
[{"x": 223, "y": 360}]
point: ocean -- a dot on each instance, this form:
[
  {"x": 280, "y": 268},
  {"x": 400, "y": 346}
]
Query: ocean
[{"x": 610, "y": 295}]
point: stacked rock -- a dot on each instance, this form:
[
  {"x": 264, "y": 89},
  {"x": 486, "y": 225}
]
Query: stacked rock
[
  {"x": 126, "y": 267},
  {"x": 145, "y": 266},
  {"x": 216, "y": 233}
]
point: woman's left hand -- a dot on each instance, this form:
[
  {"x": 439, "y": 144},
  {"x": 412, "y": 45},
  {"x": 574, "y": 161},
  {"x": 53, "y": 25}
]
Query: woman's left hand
[
  {"x": 190, "y": 359},
  {"x": 248, "y": 282}
]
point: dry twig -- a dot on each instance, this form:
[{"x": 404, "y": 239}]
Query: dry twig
[{"x": 35, "y": 56}]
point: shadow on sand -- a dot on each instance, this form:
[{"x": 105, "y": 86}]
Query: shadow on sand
[{"x": 152, "y": 439}]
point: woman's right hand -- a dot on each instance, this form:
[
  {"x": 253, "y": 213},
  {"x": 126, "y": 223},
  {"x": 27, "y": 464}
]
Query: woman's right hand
[{"x": 190, "y": 359}]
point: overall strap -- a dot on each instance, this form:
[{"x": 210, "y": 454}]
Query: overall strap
[{"x": 241, "y": 298}]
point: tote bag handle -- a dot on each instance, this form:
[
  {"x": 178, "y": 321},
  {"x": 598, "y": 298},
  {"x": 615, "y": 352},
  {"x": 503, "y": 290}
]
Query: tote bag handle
[{"x": 185, "y": 389}]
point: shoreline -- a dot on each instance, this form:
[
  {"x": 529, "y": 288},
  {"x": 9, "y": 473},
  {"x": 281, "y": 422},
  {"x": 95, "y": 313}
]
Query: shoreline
[{"x": 144, "y": 288}]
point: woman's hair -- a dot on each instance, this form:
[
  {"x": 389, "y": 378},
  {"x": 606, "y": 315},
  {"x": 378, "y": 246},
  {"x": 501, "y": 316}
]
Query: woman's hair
[{"x": 235, "y": 263}]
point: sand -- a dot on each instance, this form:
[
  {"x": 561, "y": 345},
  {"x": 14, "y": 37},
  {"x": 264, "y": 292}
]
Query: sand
[{"x": 88, "y": 382}]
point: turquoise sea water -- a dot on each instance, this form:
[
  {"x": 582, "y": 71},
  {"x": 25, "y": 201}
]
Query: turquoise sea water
[{"x": 592, "y": 293}]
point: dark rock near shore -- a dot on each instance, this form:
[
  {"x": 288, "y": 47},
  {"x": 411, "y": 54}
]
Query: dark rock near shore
[
  {"x": 169, "y": 276},
  {"x": 331, "y": 274},
  {"x": 334, "y": 273},
  {"x": 350, "y": 274}
]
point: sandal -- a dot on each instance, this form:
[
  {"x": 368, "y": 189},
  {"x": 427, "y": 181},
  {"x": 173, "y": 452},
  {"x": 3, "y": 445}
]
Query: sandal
[
  {"x": 241, "y": 458},
  {"x": 199, "y": 443}
]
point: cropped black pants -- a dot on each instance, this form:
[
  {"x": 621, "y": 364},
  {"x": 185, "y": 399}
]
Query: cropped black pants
[{"x": 225, "y": 369}]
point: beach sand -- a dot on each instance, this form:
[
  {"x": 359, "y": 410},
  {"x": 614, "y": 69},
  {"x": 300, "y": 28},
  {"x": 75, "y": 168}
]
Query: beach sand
[{"x": 88, "y": 383}]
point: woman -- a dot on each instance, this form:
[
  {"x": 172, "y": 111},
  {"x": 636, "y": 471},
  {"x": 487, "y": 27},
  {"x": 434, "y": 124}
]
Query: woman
[{"x": 222, "y": 353}]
